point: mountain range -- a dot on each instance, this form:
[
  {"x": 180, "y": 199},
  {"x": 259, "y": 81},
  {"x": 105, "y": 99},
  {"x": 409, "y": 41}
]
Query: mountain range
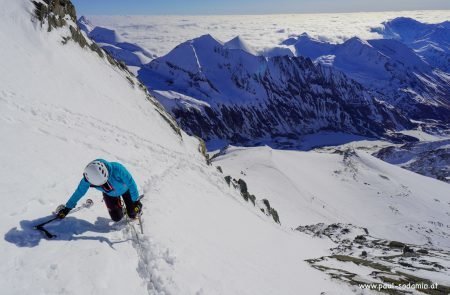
[
  {"x": 221, "y": 93},
  {"x": 389, "y": 69},
  {"x": 226, "y": 92},
  {"x": 248, "y": 220}
]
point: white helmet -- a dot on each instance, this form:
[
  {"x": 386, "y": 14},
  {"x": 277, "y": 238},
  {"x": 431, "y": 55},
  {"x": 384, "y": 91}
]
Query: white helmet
[{"x": 96, "y": 173}]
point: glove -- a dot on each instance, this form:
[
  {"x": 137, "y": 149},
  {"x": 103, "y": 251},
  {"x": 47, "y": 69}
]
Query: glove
[
  {"x": 137, "y": 207},
  {"x": 63, "y": 212}
]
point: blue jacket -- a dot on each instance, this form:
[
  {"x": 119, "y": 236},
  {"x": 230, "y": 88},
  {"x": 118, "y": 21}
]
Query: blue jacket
[{"x": 119, "y": 178}]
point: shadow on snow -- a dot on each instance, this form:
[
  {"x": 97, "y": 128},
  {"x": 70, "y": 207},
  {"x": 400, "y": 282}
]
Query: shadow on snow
[{"x": 68, "y": 229}]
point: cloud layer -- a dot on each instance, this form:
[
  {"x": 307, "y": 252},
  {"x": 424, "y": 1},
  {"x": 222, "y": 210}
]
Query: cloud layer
[{"x": 159, "y": 34}]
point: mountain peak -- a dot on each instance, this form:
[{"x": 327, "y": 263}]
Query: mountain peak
[
  {"x": 403, "y": 21},
  {"x": 105, "y": 35},
  {"x": 85, "y": 25},
  {"x": 83, "y": 19},
  {"x": 240, "y": 44},
  {"x": 311, "y": 47},
  {"x": 206, "y": 40},
  {"x": 306, "y": 36},
  {"x": 356, "y": 41},
  {"x": 292, "y": 40}
]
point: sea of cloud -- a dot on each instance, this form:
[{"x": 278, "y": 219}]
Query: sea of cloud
[{"x": 159, "y": 34}]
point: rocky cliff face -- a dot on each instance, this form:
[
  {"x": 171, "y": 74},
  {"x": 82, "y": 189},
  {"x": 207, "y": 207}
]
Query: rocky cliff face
[
  {"x": 61, "y": 13},
  {"x": 55, "y": 13},
  {"x": 220, "y": 93}
]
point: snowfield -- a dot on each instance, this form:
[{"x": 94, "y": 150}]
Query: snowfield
[
  {"x": 345, "y": 185},
  {"x": 62, "y": 106}
]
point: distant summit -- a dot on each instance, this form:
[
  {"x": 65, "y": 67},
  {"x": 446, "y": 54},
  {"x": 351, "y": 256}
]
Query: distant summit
[
  {"x": 430, "y": 41},
  {"x": 240, "y": 44},
  {"x": 85, "y": 25},
  {"x": 404, "y": 74},
  {"x": 119, "y": 47}
]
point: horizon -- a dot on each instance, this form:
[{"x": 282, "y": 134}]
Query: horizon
[
  {"x": 262, "y": 14},
  {"x": 161, "y": 33},
  {"x": 252, "y": 7}
]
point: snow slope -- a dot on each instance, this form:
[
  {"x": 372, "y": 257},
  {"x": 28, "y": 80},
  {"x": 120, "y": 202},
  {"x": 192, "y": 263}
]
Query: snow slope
[
  {"x": 62, "y": 106},
  {"x": 348, "y": 186}
]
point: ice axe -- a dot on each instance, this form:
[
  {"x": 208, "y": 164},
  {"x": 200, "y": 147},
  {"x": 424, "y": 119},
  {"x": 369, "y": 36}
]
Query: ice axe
[{"x": 40, "y": 227}]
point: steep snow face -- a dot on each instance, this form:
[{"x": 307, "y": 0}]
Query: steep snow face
[
  {"x": 431, "y": 41},
  {"x": 62, "y": 106},
  {"x": 387, "y": 67},
  {"x": 361, "y": 60},
  {"x": 344, "y": 185},
  {"x": 250, "y": 99},
  {"x": 399, "y": 52}
]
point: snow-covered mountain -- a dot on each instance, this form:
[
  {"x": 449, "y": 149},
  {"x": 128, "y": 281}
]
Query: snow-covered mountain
[
  {"x": 430, "y": 41},
  {"x": 218, "y": 93},
  {"x": 85, "y": 24},
  {"x": 121, "y": 49},
  {"x": 389, "y": 69},
  {"x": 61, "y": 106},
  {"x": 64, "y": 101},
  {"x": 240, "y": 44}
]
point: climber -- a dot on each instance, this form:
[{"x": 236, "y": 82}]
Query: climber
[{"x": 114, "y": 181}]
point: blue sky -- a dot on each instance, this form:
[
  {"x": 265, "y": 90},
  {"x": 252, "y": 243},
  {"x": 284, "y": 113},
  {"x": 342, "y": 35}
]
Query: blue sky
[{"x": 144, "y": 7}]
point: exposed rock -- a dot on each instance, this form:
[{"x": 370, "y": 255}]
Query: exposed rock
[
  {"x": 271, "y": 211},
  {"x": 395, "y": 244},
  {"x": 375, "y": 263}
]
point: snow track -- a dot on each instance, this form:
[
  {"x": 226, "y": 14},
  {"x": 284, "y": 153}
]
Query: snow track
[{"x": 61, "y": 107}]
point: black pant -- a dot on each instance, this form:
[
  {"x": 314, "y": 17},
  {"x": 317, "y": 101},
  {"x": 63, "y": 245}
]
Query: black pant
[{"x": 114, "y": 205}]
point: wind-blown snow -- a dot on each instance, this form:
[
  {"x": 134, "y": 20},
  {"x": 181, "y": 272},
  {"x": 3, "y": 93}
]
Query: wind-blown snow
[{"x": 160, "y": 34}]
